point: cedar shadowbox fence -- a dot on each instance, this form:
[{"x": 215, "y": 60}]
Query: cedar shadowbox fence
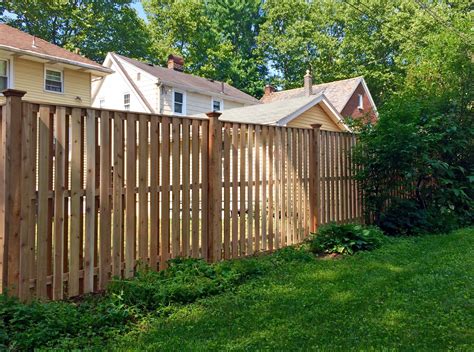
[{"x": 87, "y": 194}]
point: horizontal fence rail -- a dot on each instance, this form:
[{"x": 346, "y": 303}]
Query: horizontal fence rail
[{"x": 88, "y": 194}]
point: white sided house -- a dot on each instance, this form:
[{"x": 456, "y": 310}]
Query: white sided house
[{"x": 141, "y": 87}]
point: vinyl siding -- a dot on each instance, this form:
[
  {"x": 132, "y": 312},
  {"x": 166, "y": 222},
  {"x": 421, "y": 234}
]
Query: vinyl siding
[
  {"x": 147, "y": 84},
  {"x": 29, "y": 76},
  {"x": 195, "y": 103},
  {"x": 112, "y": 90},
  {"x": 312, "y": 116}
]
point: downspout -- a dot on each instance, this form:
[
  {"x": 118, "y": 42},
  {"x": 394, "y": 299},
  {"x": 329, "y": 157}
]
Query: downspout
[{"x": 159, "y": 85}]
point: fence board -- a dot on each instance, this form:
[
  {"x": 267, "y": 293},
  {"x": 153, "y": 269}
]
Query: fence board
[
  {"x": 165, "y": 195},
  {"x": 143, "y": 160},
  {"x": 89, "y": 240},
  {"x": 226, "y": 206},
  {"x": 130, "y": 195},
  {"x": 175, "y": 218},
  {"x": 195, "y": 188},
  {"x": 117, "y": 200},
  {"x": 27, "y": 226},
  {"x": 235, "y": 188},
  {"x": 261, "y": 180},
  {"x": 105, "y": 210},
  {"x": 243, "y": 133},
  {"x": 154, "y": 191}
]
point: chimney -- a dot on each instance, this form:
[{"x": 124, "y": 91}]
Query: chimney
[
  {"x": 269, "y": 89},
  {"x": 175, "y": 63},
  {"x": 308, "y": 84}
]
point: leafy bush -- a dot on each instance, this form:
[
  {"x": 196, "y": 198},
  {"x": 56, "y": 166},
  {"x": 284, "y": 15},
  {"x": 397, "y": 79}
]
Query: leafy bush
[
  {"x": 69, "y": 325},
  {"x": 406, "y": 217},
  {"x": 345, "y": 239}
]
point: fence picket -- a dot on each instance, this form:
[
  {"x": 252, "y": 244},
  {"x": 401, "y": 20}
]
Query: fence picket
[{"x": 201, "y": 187}]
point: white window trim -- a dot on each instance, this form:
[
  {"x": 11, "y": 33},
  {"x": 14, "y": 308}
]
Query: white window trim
[
  {"x": 10, "y": 71},
  {"x": 184, "y": 101},
  {"x": 360, "y": 103},
  {"x": 130, "y": 100},
  {"x": 220, "y": 101},
  {"x": 62, "y": 79}
]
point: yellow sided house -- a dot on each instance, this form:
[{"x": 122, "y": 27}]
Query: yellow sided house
[{"x": 47, "y": 72}]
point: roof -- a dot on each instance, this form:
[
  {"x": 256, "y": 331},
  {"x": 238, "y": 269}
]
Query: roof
[
  {"x": 188, "y": 81},
  {"x": 12, "y": 39},
  {"x": 338, "y": 92},
  {"x": 279, "y": 112}
]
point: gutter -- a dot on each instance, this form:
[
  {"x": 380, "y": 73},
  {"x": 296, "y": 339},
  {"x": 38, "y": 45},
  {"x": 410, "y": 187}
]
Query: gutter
[
  {"x": 97, "y": 68},
  {"x": 135, "y": 87}
]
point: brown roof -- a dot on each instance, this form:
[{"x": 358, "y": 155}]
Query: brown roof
[
  {"x": 338, "y": 92},
  {"x": 12, "y": 39},
  {"x": 173, "y": 77}
]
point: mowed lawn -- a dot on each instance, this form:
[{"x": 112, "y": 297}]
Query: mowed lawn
[{"x": 414, "y": 294}]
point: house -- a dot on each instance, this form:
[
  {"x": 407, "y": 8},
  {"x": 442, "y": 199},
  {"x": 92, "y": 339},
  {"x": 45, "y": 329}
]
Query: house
[
  {"x": 299, "y": 111},
  {"x": 47, "y": 72},
  {"x": 350, "y": 97},
  {"x": 143, "y": 87}
]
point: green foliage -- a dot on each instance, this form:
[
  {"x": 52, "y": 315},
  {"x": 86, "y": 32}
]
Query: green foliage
[
  {"x": 185, "y": 281},
  {"x": 94, "y": 319},
  {"x": 217, "y": 38},
  {"x": 28, "y": 326},
  {"x": 412, "y": 294},
  {"x": 93, "y": 27},
  {"x": 345, "y": 239}
]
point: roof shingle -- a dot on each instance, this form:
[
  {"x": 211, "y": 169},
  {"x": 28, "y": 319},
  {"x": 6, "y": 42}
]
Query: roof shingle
[
  {"x": 14, "y": 39},
  {"x": 173, "y": 77},
  {"x": 338, "y": 92}
]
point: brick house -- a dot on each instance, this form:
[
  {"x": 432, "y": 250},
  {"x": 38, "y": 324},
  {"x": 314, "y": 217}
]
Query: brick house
[{"x": 350, "y": 97}]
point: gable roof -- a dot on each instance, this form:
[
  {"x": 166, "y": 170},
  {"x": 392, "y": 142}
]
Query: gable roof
[
  {"x": 281, "y": 112},
  {"x": 12, "y": 39},
  {"x": 338, "y": 92},
  {"x": 191, "y": 82}
]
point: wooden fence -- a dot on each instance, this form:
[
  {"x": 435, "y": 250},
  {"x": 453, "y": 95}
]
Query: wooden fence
[{"x": 86, "y": 194}]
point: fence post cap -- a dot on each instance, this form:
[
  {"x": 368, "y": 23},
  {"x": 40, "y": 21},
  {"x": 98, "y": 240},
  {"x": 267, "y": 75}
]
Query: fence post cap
[
  {"x": 13, "y": 93},
  {"x": 316, "y": 126},
  {"x": 213, "y": 114}
]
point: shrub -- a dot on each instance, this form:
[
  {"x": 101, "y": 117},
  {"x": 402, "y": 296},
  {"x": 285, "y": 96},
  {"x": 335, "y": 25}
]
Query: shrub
[
  {"x": 345, "y": 239},
  {"x": 94, "y": 319},
  {"x": 405, "y": 217}
]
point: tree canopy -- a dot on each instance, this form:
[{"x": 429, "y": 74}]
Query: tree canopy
[{"x": 252, "y": 42}]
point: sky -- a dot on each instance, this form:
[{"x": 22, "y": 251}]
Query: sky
[{"x": 137, "y": 5}]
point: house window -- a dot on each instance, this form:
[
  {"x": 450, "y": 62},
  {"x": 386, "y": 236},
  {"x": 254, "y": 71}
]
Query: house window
[
  {"x": 3, "y": 74},
  {"x": 53, "y": 81},
  {"x": 179, "y": 101},
  {"x": 361, "y": 102},
  {"x": 101, "y": 103},
  {"x": 138, "y": 76},
  {"x": 126, "y": 101},
  {"x": 217, "y": 105}
]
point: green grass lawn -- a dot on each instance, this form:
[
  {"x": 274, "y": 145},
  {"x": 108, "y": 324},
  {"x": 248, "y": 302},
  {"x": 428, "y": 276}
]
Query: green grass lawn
[{"x": 414, "y": 294}]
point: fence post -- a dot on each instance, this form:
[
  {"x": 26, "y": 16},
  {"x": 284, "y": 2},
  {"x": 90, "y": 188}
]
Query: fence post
[
  {"x": 315, "y": 180},
  {"x": 214, "y": 188},
  {"x": 10, "y": 192}
]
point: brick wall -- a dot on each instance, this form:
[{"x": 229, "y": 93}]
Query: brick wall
[{"x": 351, "y": 108}]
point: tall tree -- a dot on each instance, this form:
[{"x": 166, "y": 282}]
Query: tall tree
[
  {"x": 93, "y": 27},
  {"x": 217, "y": 38}
]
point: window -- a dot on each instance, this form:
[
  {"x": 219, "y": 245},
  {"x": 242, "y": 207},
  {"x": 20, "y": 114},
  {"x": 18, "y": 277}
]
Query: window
[
  {"x": 138, "y": 76},
  {"x": 217, "y": 105},
  {"x": 361, "y": 102},
  {"x": 179, "y": 101},
  {"x": 101, "y": 103},
  {"x": 3, "y": 74},
  {"x": 53, "y": 81},
  {"x": 126, "y": 101}
]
